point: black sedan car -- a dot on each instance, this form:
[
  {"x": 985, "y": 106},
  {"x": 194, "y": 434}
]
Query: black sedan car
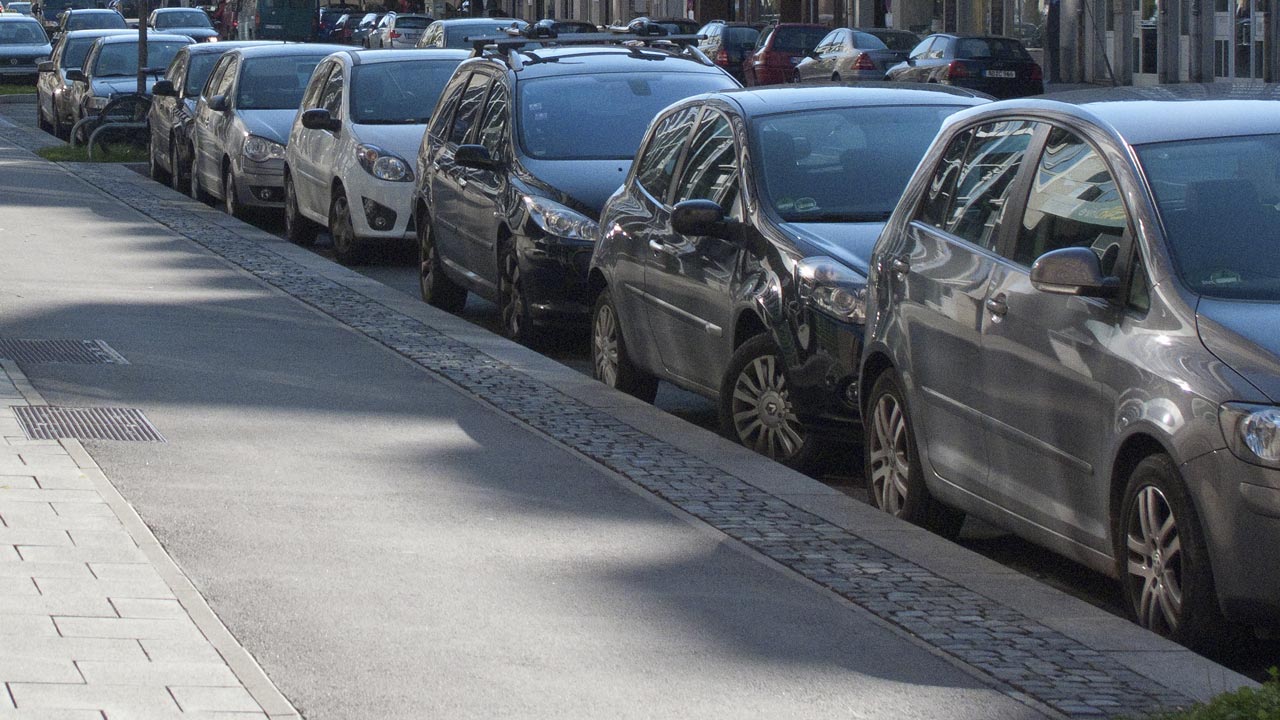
[
  {"x": 998, "y": 66},
  {"x": 733, "y": 261},
  {"x": 192, "y": 22}
]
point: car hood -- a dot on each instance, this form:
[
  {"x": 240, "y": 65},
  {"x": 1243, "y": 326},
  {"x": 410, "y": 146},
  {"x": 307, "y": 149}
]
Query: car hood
[
  {"x": 1245, "y": 336},
  {"x": 108, "y": 87},
  {"x": 271, "y": 124},
  {"x": 402, "y": 140},
  {"x": 583, "y": 185},
  {"x": 850, "y": 243},
  {"x": 25, "y": 51}
]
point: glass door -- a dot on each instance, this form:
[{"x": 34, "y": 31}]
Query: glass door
[{"x": 1146, "y": 42}]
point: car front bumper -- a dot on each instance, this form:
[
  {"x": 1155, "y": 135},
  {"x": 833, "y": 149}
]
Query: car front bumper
[
  {"x": 261, "y": 185},
  {"x": 824, "y": 372},
  {"x": 554, "y": 273},
  {"x": 379, "y": 209}
]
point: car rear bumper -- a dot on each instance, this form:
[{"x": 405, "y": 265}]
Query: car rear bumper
[{"x": 1001, "y": 88}]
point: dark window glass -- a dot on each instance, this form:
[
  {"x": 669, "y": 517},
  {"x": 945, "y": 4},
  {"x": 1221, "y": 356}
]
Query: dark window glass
[
  {"x": 828, "y": 43},
  {"x": 493, "y": 127},
  {"x": 219, "y": 81},
  {"x": 867, "y": 41},
  {"x": 936, "y": 203},
  {"x": 331, "y": 96},
  {"x": 990, "y": 165},
  {"x": 77, "y": 50},
  {"x": 412, "y": 23},
  {"x": 95, "y": 21},
  {"x": 939, "y": 48},
  {"x": 121, "y": 59},
  {"x": 740, "y": 37},
  {"x": 657, "y": 164},
  {"x": 990, "y": 49},
  {"x": 842, "y": 164},
  {"x": 398, "y": 93},
  {"x": 198, "y": 70},
  {"x": 899, "y": 41},
  {"x": 22, "y": 33},
  {"x": 1073, "y": 202},
  {"x": 796, "y": 39},
  {"x": 710, "y": 171},
  {"x": 922, "y": 49},
  {"x": 560, "y": 117},
  {"x": 275, "y": 83},
  {"x": 315, "y": 87},
  {"x": 443, "y": 114},
  {"x": 1139, "y": 286},
  {"x": 455, "y": 37},
  {"x": 182, "y": 19},
  {"x": 469, "y": 108}
]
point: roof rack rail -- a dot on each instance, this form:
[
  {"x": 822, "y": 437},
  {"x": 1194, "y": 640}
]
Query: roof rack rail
[{"x": 503, "y": 44}]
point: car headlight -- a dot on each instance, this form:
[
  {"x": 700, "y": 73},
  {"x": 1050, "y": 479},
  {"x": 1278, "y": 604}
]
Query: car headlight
[
  {"x": 833, "y": 288},
  {"x": 1252, "y": 432},
  {"x": 97, "y": 102},
  {"x": 382, "y": 164},
  {"x": 260, "y": 149},
  {"x": 555, "y": 219}
]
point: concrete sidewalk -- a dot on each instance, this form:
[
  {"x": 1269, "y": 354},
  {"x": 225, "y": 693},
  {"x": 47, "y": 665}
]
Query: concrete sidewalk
[{"x": 355, "y": 488}]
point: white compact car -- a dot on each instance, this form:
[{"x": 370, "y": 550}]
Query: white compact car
[{"x": 350, "y": 160}]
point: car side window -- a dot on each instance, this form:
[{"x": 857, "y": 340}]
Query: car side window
[
  {"x": 710, "y": 170},
  {"x": 315, "y": 86},
  {"x": 986, "y": 177},
  {"x": 493, "y": 126},
  {"x": 657, "y": 164},
  {"x": 1074, "y": 202},
  {"x": 331, "y": 97},
  {"x": 216, "y": 78},
  {"x": 1139, "y": 299},
  {"x": 443, "y": 114},
  {"x": 173, "y": 73},
  {"x": 939, "y": 48},
  {"x": 922, "y": 49},
  {"x": 468, "y": 108},
  {"x": 942, "y": 186}
]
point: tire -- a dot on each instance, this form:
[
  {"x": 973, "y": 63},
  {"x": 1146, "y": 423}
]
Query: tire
[
  {"x": 157, "y": 173},
  {"x": 1163, "y": 560},
  {"x": 230, "y": 199},
  {"x": 60, "y": 131},
  {"x": 41, "y": 121},
  {"x": 517, "y": 323},
  {"x": 610, "y": 363},
  {"x": 437, "y": 288},
  {"x": 197, "y": 192},
  {"x": 347, "y": 248},
  {"x": 177, "y": 179},
  {"x": 835, "y": 77},
  {"x": 756, "y": 408},
  {"x": 894, "y": 473},
  {"x": 297, "y": 228}
]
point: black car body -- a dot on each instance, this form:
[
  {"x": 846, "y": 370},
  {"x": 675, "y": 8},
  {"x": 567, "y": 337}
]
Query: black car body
[
  {"x": 111, "y": 69},
  {"x": 89, "y": 19},
  {"x": 728, "y": 44},
  {"x": 23, "y": 46},
  {"x": 51, "y": 10},
  {"x": 453, "y": 33},
  {"x": 511, "y": 178},
  {"x": 998, "y": 66},
  {"x": 733, "y": 261},
  {"x": 192, "y": 22},
  {"x": 54, "y": 112}
]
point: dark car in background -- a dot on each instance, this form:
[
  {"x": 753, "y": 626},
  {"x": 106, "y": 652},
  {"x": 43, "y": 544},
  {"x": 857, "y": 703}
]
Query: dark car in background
[
  {"x": 192, "y": 22},
  {"x": 453, "y": 33},
  {"x": 779, "y": 50},
  {"x": 998, "y": 66},
  {"x": 848, "y": 54},
  {"x": 729, "y": 43},
  {"x": 1075, "y": 337},
  {"x": 52, "y": 10},
  {"x": 364, "y": 28},
  {"x": 677, "y": 26},
  {"x": 54, "y": 112},
  {"x": 23, "y": 46},
  {"x": 514, "y": 169},
  {"x": 901, "y": 40},
  {"x": 89, "y": 19},
  {"x": 733, "y": 261}
]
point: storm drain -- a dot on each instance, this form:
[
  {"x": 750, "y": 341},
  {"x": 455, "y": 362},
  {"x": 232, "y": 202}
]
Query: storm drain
[
  {"x": 82, "y": 352},
  {"x": 46, "y": 422}
]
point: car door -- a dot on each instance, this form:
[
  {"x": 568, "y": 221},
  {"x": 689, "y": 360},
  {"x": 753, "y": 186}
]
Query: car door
[
  {"x": 319, "y": 155},
  {"x": 47, "y": 84},
  {"x": 210, "y": 123},
  {"x": 448, "y": 180},
  {"x": 1045, "y": 355},
  {"x": 378, "y": 38},
  {"x": 687, "y": 279},
  {"x": 940, "y": 272},
  {"x": 484, "y": 188},
  {"x": 166, "y": 108}
]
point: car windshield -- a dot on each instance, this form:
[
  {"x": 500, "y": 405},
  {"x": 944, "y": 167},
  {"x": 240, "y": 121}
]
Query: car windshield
[
  {"x": 1219, "y": 200},
  {"x": 22, "y": 33},
  {"x": 867, "y": 41},
  {"x": 121, "y": 59},
  {"x": 275, "y": 83},
  {"x": 561, "y": 117},
  {"x": 182, "y": 19},
  {"x": 198, "y": 72},
  {"x": 412, "y": 23},
  {"x": 797, "y": 40},
  {"x": 77, "y": 50},
  {"x": 455, "y": 37},
  {"x": 902, "y": 42},
  {"x": 398, "y": 93},
  {"x": 842, "y": 164},
  {"x": 96, "y": 21},
  {"x": 990, "y": 49}
]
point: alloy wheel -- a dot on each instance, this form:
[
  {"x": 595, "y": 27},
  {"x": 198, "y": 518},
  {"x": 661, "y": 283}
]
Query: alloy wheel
[
  {"x": 1155, "y": 561},
  {"x": 512, "y": 297},
  {"x": 889, "y": 455},
  {"x": 762, "y": 412},
  {"x": 426, "y": 261},
  {"x": 229, "y": 200},
  {"x": 604, "y": 346},
  {"x": 175, "y": 178}
]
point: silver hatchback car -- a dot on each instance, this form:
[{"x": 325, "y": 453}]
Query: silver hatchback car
[{"x": 1074, "y": 332}]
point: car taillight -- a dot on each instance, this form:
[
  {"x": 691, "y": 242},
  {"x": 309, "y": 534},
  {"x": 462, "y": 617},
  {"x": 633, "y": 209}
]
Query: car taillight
[
  {"x": 1037, "y": 73},
  {"x": 393, "y": 34},
  {"x": 864, "y": 63},
  {"x": 722, "y": 57},
  {"x": 956, "y": 70}
]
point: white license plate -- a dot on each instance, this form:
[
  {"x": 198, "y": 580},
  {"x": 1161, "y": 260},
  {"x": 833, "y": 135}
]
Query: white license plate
[{"x": 1001, "y": 74}]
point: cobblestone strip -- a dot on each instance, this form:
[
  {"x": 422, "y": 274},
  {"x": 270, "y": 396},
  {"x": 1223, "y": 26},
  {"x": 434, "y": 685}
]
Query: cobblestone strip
[
  {"x": 1024, "y": 656},
  {"x": 89, "y": 626}
]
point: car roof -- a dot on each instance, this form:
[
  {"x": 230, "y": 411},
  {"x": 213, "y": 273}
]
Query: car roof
[
  {"x": 132, "y": 36},
  {"x": 454, "y": 22},
  {"x": 97, "y": 33},
  {"x": 770, "y": 100},
  {"x": 207, "y": 48},
  {"x": 16, "y": 18},
  {"x": 289, "y": 49},
  {"x": 373, "y": 57},
  {"x": 161, "y": 11},
  {"x": 89, "y": 11},
  {"x": 410, "y": 15},
  {"x": 1163, "y": 113},
  {"x": 554, "y": 60}
]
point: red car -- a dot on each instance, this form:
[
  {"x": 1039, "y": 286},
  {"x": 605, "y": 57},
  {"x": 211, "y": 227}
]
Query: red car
[{"x": 780, "y": 49}]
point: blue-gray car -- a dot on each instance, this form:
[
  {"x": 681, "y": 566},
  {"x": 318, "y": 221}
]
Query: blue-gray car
[
  {"x": 23, "y": 46},
  {"x": 1074, "y": 332}
]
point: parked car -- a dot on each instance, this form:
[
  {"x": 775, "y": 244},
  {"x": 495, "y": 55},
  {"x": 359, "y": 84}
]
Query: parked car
[
  {"x": 568, "y": 27},
  {"x": 848, "y": 54},
  {"x": 677, "y": 26},
  {"x": 399, "y": 31},
  {"x": 54, "y": 111},
  {"x": 453, "y": 33},
  {"x": 89, "y": 19},
  {"x": 733, "y": 260},
  {"x": 729, "y": 43},
  {"x": 512, "y": 176},
  {"x": 997, "y": 66},
  {"x": 52, "y": 10},
  {"x": 900, "y": 40},
  {"x": 192, "y": 22},
  {"x": 111, "y": 69},
  {"x": 242, "y": 122},
  {"x": 366, "y": 26},
  {"x": 348, "y": 162},
  {"x": 330, "y": 15},
  {"x": 173, "y": 108},
  {"x": 666, "y": 26},
  {"x": 343, "y": 28},
  {"x": 780, "y": 48},
  {"x": 1075, "y": 338},
  {"x": 21, "y": 8},
  {"x": 23, "y": 46}
]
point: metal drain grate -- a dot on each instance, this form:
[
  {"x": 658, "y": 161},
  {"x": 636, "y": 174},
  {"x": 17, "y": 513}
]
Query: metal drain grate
[
  {"x": 84, "y": 352},
  {"x": 46, "y": 422}
]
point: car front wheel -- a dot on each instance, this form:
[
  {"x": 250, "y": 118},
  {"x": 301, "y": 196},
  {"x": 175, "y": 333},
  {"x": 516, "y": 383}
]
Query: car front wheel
[
  {"x": 297, "y": 228},
  {"x": 756, "y": 408},
  {"x": 516, "y": 322},
  {"x": 436, "y": 287},
  {"x": 347, "y": 248},
  {"x": 610, "y": 362}
]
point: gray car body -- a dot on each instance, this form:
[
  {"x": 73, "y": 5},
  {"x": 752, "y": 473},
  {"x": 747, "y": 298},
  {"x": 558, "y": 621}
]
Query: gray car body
[
  {"x": 835, "y": 55},
  {"x": 1104, "y": 386},
  {"x": 51, "y": 88},
  {"x": 452, "y": 33},
  {"x": 21, "y": 60}
]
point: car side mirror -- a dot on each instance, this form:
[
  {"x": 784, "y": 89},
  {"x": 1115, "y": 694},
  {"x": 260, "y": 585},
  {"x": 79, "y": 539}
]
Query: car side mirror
[
  {"x": 45, "y": 67},
  {"x": 1072, "y": 271},
  {"x": 320, "y": 119},
  {"x": 474, "y": 156},
  {"x": 219, "y": 103},
  {"x": 698, "y": 218},
  {"x": 77, "y": 76},
  {"x": 164, "y": 88}
]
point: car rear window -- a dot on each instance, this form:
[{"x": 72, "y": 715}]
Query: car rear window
[
  {"x": 867, "y": 41},
  {"x": 184, "y": 19},
  {"x": 412, "y": 23},
  {"x": 990, "y": 49},
  {"x": 22, "y": 33},
  {"x": 797, "y": 40},
  {"x": 740, "y": 37},
  {"x": 455, "y": 37},
  {"x": 275, "y": 83},
  {"x": 96, "y": 21},
  {"x": 398, "y": 93},
  {"x": 901, "y": 41}
]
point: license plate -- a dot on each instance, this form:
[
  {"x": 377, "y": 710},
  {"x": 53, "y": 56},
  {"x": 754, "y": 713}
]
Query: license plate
[{"x": 1001, "y": 74}]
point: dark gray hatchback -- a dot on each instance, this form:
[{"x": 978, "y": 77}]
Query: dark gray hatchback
[{"x": 1073, "y": 331}]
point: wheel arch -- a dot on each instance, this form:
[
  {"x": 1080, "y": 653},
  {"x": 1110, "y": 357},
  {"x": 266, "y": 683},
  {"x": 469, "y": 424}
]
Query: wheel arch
[
  {"x": 747, "y": 325},
  {"x": 876, "y": 363},
  {"x": 1135, "y": 448}
]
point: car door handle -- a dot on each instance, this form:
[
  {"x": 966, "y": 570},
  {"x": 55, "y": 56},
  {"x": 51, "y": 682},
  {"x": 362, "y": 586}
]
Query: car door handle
[{"x": 997, "y": 305}]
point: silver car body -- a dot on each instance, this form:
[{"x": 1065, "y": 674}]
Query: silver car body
[
  {"x": 398, "y": 30},
  {"x": 836, "y": 56},
  {"x": 51, "y": 89}
]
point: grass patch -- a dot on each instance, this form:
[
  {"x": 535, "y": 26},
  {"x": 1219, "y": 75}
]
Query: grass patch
[
  {"x": 1242, "y": 704},
  {"x": 17, "y": 89},
  {"x": 104, "y": 153}
]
